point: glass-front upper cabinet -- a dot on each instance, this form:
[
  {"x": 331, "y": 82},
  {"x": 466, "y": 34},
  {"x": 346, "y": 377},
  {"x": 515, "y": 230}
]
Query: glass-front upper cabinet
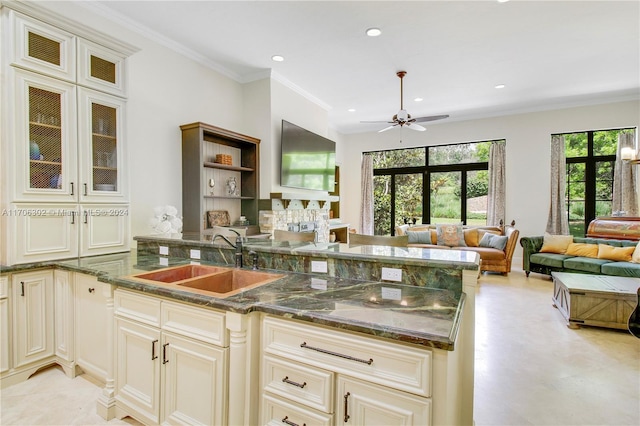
[
  {"x": 46, "y": 161},
  {"x": 101, "y": 68},
  {"x": 102, "y": 153}
]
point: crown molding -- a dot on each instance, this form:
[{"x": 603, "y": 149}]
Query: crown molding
[{"x": 288, "y": 83}]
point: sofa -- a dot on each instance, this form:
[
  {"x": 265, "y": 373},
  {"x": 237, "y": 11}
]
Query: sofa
[
  {"x": 496, "y": 258},
  {"x": 583, "y": 255}
]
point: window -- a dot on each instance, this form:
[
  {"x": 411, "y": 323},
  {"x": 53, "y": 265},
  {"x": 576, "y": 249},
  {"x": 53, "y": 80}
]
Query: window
[
  {"x": 590, "y": 158},
  {"x": 437, "y": 184}
]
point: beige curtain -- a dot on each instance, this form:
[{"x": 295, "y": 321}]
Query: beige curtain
[
  {"x": 625, "y": 194},
  {"x": 366, "y": 198},
  {"x": 496, "y": 196},
  {"x": 558, "y": 222}
]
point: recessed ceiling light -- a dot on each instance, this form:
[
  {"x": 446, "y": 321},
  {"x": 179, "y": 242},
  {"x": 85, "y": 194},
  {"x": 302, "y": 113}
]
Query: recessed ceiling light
[
  {"x": 351, "y": 110},
  {"x": 418, "y": 99},
  {"x": 500, "y": 86},
  {"x": 277, "y": 58},
  {"x": 373, "y": 32},
  {"x": 502, "y": 1}
]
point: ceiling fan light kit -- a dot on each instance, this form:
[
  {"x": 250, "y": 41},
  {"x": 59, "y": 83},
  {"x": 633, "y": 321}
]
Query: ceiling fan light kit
[{"x": 403, "y": 118}]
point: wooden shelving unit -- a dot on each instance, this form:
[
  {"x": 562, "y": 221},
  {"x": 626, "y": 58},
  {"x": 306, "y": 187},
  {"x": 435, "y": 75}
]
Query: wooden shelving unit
[{"x": 200, "y": 144}]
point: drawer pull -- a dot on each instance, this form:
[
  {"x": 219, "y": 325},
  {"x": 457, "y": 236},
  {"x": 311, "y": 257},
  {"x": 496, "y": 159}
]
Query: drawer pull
[
  {"x": 289, "y": 422},
  {"x": 22, "y": 288},
  {"x": 324, "y": 351},
  {"x": 164, "y": 353},
  {"x": 346, "y": 407},
  {"x": 153, "y": 350},
  {"x": 301, "y": 386}
]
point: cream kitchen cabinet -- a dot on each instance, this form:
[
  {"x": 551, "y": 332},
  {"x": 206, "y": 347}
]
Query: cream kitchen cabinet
[
  {"x": 93, "y": 323},
  {"x": 52, "y": 124},
  {"x": 5, "y": 324},
  {"x": 171, "y": 362},
  {"x": 63, "y": 292},
  {"x": 32, "y": 295},
  {"x": 63, "y": 139},
  {"x": 57, "y": 231},
  {"x": 375, "y": 382}
]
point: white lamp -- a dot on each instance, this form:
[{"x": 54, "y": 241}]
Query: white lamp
[{"x": 629, "y": 154}]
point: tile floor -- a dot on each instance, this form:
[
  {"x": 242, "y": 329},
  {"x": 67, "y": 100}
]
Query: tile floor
[{"x": 530, "y": 369}]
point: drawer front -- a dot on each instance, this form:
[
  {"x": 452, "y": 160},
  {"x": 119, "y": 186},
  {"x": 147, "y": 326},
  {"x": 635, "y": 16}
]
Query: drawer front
[
  {"x": 298, "y": 382},
  {"x": 384, "y": 362},
  {"x": 198, "y": 323},
  {"x": 279, "y": 412},
  {"x": 144, "y": 309}
]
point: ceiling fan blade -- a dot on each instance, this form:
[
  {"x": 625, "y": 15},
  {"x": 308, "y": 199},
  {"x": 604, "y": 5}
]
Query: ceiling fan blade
[
  {"x": 387, "y": 128},
  {"x": 430, "y": 118},
  {"x": 414, "y": 126},
  {"x": 383, "y": 121}
]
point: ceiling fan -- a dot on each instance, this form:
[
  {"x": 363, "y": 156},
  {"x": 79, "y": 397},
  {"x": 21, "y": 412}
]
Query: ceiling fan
[{"x": 403, "y": 118}]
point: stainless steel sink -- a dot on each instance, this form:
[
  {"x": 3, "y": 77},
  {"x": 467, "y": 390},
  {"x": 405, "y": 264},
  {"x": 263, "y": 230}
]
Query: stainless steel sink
[{"x": 212, "y": 280}]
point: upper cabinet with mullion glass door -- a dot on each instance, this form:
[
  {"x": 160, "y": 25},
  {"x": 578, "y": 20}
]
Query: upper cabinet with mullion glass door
[
  {"x": 42, "y": 48},
  {"x": 101, "y": 68},
  {"x": 102, "y": 153},
  {"x": 45, "y": 139}
]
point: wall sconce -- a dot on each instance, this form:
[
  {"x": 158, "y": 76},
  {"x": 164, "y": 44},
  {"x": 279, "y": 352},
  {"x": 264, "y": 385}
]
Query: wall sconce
[{"x": 629, "y": 155}]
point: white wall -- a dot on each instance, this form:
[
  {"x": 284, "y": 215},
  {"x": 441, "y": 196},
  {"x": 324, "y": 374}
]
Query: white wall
[{"x": 528, "y": 139}]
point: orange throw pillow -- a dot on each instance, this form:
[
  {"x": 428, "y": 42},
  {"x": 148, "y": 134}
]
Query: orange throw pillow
[
  {"x": 621, "y": 254},
  {"x": 471, "y": 237},
  {"x": 555, "y": 243},
  {"x": 583, "y": 250}
]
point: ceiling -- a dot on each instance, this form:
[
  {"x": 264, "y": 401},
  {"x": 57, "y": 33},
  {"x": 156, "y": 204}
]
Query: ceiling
[{"x": 548, "y": 54}]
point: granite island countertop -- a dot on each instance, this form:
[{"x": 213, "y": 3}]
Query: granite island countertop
[{"x": 423, "y": 316}]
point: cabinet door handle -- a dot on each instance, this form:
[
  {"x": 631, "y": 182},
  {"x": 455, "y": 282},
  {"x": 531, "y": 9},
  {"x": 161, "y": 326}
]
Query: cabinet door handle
[
  {"x": 325, "y": 351},
  {"x": 22, "y": 288},
  {"x": 290, "y": 423},
  {"x": 164, "y": 353},
  {"x": 153, "y": 350},
  {"x": 86, "y": 216},
  {"x": 85, "y": 189},
  {"x": 71, "y": 188},
  {"x": 301, "y": 386},
  {"x": 73, "y": 218},
  {"x": 346, "y": 407}
]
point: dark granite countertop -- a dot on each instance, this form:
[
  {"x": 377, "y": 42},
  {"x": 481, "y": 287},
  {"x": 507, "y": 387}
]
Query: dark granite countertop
[{"x": 423, "y": 316}]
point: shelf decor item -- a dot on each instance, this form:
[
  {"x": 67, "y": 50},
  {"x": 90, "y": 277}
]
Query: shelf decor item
[
  {"x": 34, "y": 151},
  {"x": 218, "y": 218},
  {"x": 166, "y": 221},
  {"x": 232, "y": 187},
  {"x": 223, "y": 159}
]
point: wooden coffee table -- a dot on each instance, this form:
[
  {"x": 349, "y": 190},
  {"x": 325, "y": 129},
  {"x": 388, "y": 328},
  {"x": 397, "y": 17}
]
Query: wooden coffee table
[{"x": 597, "y": 300}]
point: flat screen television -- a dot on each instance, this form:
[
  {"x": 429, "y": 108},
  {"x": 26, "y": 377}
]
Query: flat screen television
[{"x": 308, "y": 159}]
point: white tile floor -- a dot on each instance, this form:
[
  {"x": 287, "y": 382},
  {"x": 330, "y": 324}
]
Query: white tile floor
[{"x": 530, "y": 369}]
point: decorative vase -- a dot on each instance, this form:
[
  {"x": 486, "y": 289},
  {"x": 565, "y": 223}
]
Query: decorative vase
[{"x": 34, "y": 151}]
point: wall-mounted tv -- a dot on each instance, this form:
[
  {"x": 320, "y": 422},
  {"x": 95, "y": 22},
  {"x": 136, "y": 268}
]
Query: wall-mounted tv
[{"x": 308, "y": 159}]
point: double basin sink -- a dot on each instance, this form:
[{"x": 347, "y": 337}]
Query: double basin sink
[{"x": 210, "y": 280}]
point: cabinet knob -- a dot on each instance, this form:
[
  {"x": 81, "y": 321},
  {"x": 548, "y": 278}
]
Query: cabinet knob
[{"x": 91, "y": 289}]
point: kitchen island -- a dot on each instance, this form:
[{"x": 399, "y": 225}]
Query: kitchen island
[{"x": 418, "y": 334}]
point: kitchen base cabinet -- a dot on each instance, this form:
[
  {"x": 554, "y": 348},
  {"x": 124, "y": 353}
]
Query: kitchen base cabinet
[
  {"x": 31, "y": 336},
  {"x": 376, "y": 381},
  {"x": 172, "y": 361},
  {"x": 4, "y": 324},
  {"x": 362, "y": 403},
  {"x": 93, "y": 306},
  {"x": 64, "y": 319}
]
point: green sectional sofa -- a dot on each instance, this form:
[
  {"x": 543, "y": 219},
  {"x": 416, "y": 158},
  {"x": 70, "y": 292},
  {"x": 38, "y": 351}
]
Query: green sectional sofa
[{"x": 545, "y": 263}]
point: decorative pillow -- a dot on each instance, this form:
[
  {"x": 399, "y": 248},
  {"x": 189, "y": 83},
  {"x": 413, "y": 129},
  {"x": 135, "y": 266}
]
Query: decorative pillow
[
  {"x": 635, "y": 257},
  {"x": 555, "y": 243},
  {"x": 401, "y": 229},
  {"x": 493, "y": 241},
  {"x": 450, "y": 235},
  {"x": 582, "y": 250},
  {"x": 622, "y": 254},
  {"x": 471, "y": 237},
  {"x": 419, "y": 237}
]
